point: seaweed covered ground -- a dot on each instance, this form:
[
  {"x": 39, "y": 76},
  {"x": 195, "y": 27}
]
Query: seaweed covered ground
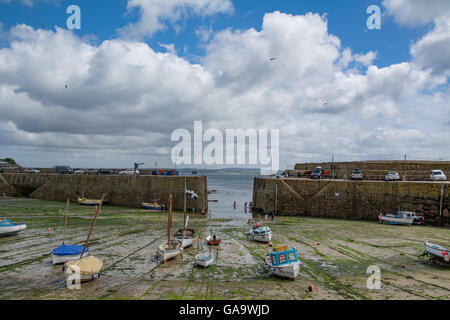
[{"x": 126, "y": 239}]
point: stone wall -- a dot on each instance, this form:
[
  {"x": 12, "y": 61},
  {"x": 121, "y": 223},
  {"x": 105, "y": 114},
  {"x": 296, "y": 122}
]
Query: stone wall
[
  {"x": 352, "y": 199},
  {"x": 120, "y": 190}
]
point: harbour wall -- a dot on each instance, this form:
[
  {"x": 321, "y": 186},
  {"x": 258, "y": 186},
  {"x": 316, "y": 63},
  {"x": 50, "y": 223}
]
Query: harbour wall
[
  {"x": 374, "y": 170},
  {"x": 127, "y": 191},
  {"x": 346, "y": 199}
]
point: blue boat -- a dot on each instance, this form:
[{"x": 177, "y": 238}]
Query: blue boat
[
  {"x": 65, "y": 253},
  {"x": 154, "y": 206},
  {"x": 7, "y": 228},
  {"x": 283, "y": 262}
]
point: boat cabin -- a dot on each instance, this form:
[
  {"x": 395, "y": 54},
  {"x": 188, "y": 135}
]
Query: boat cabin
[
  {"x": 261, "y": 231},
  {"x": 279, "y": 258},
  {"x": 6, "y": 223}
]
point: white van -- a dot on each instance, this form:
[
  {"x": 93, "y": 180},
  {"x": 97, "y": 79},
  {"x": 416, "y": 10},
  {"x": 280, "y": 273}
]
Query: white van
[{"x": 437, "y": 175}]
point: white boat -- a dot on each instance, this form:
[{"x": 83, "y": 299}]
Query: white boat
[
  {"x": 400, "y": 218},
  {"x": 89, "y": 202},
  {"x": 283, "y": 262},
  {"x": 172, "y": 247},
  {"x": 436, "y": 252},
  {"x": 169, "y": 250},
  {"x": 188, "y": 239},
  {"x": 7, "y": 228},
  {"x": 204, "y": 259},
  {"x": 88, "y": 269},
  {"x": 261, "y": 234}
]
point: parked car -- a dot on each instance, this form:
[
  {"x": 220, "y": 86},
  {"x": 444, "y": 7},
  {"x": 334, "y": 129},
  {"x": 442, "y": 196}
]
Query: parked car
[
  {"x": 31, "y": 170},
  {"x": 80, "y": 171},
  {"x": 128, "y": 172},
  {"x": 1, "y": 170},
  {"x": 104, "y": 172},
  {"x": 437, "y": 175},
  {"x": 356, "y": 174},
  {"x": 392, "y": 176},
  {"x": 317, "y": 173},
  {"x": 63, "y": 170}
]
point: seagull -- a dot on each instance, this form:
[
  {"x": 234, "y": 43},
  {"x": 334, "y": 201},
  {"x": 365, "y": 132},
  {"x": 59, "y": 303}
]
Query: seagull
[{"x": 271, "y": 59}]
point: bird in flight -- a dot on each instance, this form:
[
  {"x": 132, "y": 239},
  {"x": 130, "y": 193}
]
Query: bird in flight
[{"x": 272, "y": 59}]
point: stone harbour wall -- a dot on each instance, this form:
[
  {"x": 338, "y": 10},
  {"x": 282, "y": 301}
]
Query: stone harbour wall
[
  {"x": 352, "y": 199},
  {"x": 127, "y": 191}
]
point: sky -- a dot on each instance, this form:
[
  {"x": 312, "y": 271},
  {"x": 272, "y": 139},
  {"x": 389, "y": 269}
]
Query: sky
[{"x": 112, "y": 92}]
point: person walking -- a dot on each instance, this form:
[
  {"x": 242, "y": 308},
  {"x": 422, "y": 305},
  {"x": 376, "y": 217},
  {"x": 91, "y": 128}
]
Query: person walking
[
  {"x": 234, "y": 205},
  {"x": 273, "y": 217}
]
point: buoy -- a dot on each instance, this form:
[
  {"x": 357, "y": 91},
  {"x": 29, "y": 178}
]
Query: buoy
[
  {"x": 257, "y": 225},
  {"x": 270, "y": 244},
  {"x": 444, "y": 253},
  {"x": 49, "y": 229},
  {"x": 311, "y": 288},
  {"x": 318, "y": 243}
]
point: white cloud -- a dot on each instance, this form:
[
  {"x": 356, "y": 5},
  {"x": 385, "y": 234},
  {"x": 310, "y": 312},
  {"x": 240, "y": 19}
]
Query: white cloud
[
  {"x": 154, "y": 14},
  {"x": 416, "y": 12},
  {"x": 124, "y": 99}
]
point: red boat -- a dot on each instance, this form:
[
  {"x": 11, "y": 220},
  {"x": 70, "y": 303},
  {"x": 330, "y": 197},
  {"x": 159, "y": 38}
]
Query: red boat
[{"x": 213, "y": 241}]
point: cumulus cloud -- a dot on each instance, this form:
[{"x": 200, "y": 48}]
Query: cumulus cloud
[
  {"x": 123, "y": 99},
  {"x": 416, "y": 12},
  {"x": 156, "y": 13}
]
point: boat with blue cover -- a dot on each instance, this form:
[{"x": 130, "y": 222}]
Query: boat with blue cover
[
  {"x": 261, "y": 234},
  {"x": 65, "y": 253},
  {"x": 283, "y": 262},
  {"x": 7, "y": 228}
]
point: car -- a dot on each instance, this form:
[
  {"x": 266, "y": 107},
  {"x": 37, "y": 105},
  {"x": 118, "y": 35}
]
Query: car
[
  {"x": 392, "y": 176},
  {"x": 1, "y": 170},
  {"x": 317, "y": 173},
  {"x": 437, "y": 175},
  {"x": 63, "y": 170},
  {"x": 128, "y": 172},
  {"x": 104, "y": 172},
  {"x": 356, "y": 174},
  {"x": 80, "y": 171},
  {"x": 31, "y": 170}
]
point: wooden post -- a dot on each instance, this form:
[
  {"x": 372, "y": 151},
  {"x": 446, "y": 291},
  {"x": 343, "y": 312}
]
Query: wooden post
[
  {"x": 65, "y": 224},
  {"x": 92, "y": 226}
]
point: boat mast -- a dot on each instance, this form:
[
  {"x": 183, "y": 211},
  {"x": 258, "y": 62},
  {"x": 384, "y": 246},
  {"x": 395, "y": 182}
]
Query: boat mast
[
  {"x": 169, "y": 219},
  {"x": 92, "y": 226},
  {"x": 65, "y": 224}
]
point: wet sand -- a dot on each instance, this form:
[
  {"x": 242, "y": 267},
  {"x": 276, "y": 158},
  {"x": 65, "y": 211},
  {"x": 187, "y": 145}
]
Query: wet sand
[{"x": 126, "y": 239}]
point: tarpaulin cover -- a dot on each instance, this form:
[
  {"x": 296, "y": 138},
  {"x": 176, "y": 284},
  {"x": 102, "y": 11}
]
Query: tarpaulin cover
[
  {"x": 89, "y": 265},
  {"x": 69, "y": 250}
]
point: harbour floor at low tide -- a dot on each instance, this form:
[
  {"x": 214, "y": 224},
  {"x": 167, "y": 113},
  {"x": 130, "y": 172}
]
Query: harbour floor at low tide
[{"x": 126, "y": 239}]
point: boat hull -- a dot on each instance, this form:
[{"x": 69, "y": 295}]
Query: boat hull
[
  {"x": 151, "y": 207},
  {"x": 187, "y": 242},
  {"x": 89, "y": 269},
  {"x": 12, "y": 230},
  {"x": 289, "y": 271},
  {"x": 435, "y": 250},
  {"x": 60, "y": 259},
  {"x": 397, "y": 221},
  {"x": 202, "y": 262},
  {"x": 261, "y": 237},
  {"x": 167, "y": 253}
]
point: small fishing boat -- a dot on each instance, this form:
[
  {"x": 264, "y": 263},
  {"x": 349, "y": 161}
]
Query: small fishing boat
[
  {"x": 154, "y": 206},
  {"x": 88, "y": 202},
  {"x": 213, "y": 240},
  {"x": 64, "y": 252},
  {"x": 261, "y": 234},
  {"x": 172, "y": 247},
  {"x": 400, "y": 218},
  {"x": 88, "y": 268},
  {"x": 204, "y": 259},
  {"x": 283, "y": 262},
  {"x": 186, "y": 236},
  {"x": 7, "y": 228},
  {"x": 437, "y": 253}
]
